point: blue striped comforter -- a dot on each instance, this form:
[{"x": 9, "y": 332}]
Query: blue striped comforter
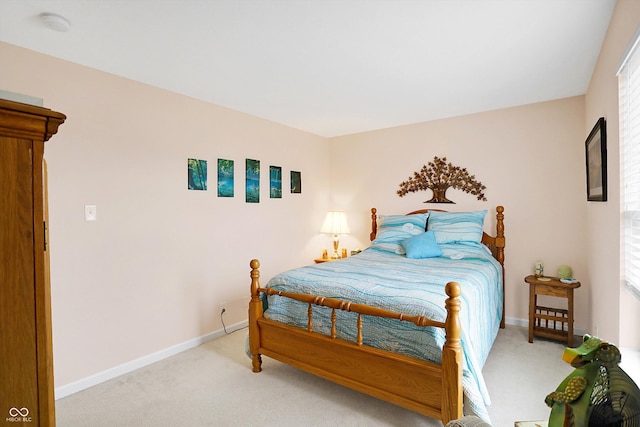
[{"x": 411, "y": 286}]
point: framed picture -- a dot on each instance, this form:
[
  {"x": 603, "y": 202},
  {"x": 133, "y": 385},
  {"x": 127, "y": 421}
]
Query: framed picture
[
  {"x": 275, "y": 182},
  {"x": 596, "y": 154},
  {"x": 226, "y": 183},
  {"x": 296, "y": 182},
  {"x": 196, "y": 174},
  {"x": 252, "y": 181}
]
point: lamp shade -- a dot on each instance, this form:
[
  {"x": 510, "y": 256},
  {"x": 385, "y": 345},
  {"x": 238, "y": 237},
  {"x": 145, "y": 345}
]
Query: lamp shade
[{"x": 335, "y": 223}]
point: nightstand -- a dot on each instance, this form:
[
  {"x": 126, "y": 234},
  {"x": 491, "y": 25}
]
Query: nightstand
[
  {"x": 321, "y": 260},
  {"x": 550, "y": 322}
]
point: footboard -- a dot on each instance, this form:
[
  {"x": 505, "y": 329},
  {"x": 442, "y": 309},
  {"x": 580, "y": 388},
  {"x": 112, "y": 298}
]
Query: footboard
[{"x": 425, "y": 387}]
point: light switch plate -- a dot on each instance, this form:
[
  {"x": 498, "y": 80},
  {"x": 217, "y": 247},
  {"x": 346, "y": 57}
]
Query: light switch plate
[{"x": 90, "y": 213}]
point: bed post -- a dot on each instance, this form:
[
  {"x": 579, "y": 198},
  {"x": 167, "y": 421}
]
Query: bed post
[
  {"x": 500, "y": 244},
  {"x": 255, "y": 312},
  {"x": 452, "y": 357},
  {"x": 374, "y": 224}
]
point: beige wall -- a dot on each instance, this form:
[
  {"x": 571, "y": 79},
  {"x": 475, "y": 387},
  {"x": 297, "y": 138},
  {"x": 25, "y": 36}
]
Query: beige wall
[
  {"x": 530, "y": 158},
  {"x": 150, "y": 273},
  {"x": 616, "y": 313}
]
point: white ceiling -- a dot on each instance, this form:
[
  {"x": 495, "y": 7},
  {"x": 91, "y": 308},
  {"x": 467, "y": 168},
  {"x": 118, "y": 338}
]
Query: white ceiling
[{"x": 330, "y": 67}]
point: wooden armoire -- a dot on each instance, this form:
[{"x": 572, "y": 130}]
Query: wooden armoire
[{"x": 26, "y": 358}]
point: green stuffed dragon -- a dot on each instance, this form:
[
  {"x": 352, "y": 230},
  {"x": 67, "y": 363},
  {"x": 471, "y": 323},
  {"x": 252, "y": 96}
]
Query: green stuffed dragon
[{"x": 598, "y": 392}]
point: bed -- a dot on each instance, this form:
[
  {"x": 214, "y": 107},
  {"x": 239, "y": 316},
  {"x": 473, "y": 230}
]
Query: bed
[{"x": 409, "y": 326}]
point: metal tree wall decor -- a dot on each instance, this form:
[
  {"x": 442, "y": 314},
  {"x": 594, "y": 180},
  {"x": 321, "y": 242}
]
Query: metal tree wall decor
[{"x": 438, "y": 176}]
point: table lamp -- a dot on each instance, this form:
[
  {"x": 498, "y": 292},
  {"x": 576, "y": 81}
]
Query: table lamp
[{"x": 335, "y": 223}]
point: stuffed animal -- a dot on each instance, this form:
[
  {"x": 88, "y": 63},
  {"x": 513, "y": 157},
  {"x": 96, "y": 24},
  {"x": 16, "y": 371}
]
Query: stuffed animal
[{"x": 598, "y": 392}]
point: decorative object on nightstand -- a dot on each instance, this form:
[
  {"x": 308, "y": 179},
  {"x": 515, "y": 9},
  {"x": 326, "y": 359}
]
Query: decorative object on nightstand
[
  {"x": 538, "y": 269},
  {"x": 323, "y": 258},
  {"x": 335, "y": 223},
  {"x": 564, "y": 272},
  {"x": 598, "y": 392},
  {"x": 550, "y": 322}
]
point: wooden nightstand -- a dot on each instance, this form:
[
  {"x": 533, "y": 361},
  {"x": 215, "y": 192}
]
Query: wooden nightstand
[
  {"x": 321, "y": 260},
  {"x": 550, "y": 322}
]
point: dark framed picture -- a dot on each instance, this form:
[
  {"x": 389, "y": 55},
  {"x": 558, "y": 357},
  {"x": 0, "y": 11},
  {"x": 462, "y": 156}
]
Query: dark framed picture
[
  {"x": 596, "y": 153},
  {"x": 296, "y": 182}
]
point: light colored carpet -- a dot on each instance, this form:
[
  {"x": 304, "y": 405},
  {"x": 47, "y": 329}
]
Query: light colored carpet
[{"x": 213, "y": 385}]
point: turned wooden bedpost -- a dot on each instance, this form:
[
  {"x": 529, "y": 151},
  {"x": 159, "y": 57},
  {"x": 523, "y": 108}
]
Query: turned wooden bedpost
[
  {"x": 374, "y": 224},
  {"x": 500, "y": 244},
  {"x": 452, "y": 357},
  {"x": 255, "y": 312}
]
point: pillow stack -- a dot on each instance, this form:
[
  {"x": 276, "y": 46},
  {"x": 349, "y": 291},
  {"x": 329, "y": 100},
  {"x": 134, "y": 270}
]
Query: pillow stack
[
  {"x": 413, "y": 236},
  {"x": 393, "y": 229}
]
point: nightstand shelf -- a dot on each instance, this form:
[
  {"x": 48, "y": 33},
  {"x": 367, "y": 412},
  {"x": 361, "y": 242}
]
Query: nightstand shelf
[{"x": 550, "y": 322}]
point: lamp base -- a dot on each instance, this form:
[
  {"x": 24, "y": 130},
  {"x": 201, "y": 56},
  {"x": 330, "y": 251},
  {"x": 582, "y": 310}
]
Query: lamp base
[{"x": 336, "y": 245}]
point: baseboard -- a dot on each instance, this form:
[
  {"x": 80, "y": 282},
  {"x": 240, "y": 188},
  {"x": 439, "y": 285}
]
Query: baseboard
[
  {"x": 85, "y": 383},
  {"x": 516, "y": 322},
  {"x": 525, "y": 324},
  {"x": 109, "y": 374}
]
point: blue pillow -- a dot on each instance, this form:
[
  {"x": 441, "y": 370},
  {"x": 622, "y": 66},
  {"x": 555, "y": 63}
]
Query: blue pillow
[
  {"x": 455, "y": 227},
  {"x": 393, "y": 229},
  {"x": 422, "y": 246}
]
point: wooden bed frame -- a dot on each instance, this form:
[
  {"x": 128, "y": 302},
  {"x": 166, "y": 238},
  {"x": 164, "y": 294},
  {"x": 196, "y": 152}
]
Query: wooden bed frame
[{"x": 428, "y": 388}]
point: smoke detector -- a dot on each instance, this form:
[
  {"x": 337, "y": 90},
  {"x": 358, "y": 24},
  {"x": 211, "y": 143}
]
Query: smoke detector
[{"x": 55, "y": 22}]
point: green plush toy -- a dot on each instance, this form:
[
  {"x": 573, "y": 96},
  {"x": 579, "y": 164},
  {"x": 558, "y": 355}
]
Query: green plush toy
[{"x": 598, "y": 392}]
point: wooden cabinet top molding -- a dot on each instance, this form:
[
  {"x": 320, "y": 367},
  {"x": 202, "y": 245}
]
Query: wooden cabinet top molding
[{"x": 28, "y": 121}]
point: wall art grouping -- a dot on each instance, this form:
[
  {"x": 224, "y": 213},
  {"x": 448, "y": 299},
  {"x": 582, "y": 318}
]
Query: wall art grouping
[{"x": 197, "y": 179}]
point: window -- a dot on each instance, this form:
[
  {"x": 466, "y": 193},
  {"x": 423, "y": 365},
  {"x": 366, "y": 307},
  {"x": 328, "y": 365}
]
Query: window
[{"x": 629, "y": 95}]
